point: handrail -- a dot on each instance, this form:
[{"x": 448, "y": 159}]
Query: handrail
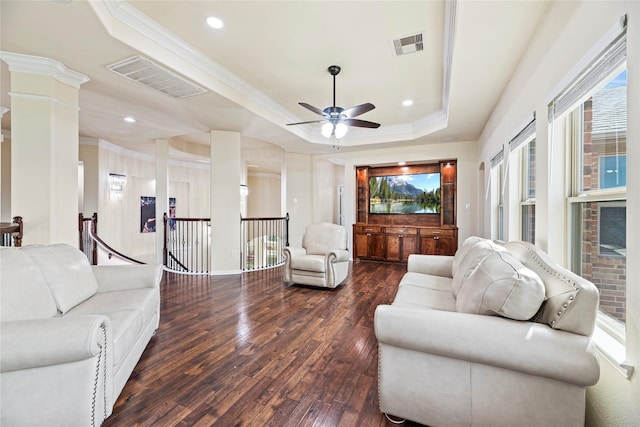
[
  {"x": 110, "y": 250},
  {"x": 13, "y": 229}
]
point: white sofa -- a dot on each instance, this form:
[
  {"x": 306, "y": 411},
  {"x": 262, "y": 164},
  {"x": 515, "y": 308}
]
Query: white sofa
[
  {"x": 70, "y": 333},
  {"x": 497, "y": 335}
]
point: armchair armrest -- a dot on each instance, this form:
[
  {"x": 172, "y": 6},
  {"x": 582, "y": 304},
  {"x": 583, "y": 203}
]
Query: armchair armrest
[
  {"x": 528, "y": 347},
  {"x": 35, "y": 343},
  {"x": 436, "y": 265},
  {"x": 338, "y": 255},
  {"x": 122, "y": 277},
  {"x": 291, "y": 251}
]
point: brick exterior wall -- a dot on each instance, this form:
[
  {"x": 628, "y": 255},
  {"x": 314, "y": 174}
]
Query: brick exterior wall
[{"x": 606, "y": 270}]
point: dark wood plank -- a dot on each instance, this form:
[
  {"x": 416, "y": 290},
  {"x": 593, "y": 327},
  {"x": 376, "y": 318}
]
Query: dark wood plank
[{"x": 249, "y": 350}]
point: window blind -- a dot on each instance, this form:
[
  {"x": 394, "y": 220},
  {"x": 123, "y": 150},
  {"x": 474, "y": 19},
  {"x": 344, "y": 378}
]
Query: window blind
[
  {"x": 524, "y": 135},
  {"x": 495, "y": 160},
  {"x": 612, "y": 58}
]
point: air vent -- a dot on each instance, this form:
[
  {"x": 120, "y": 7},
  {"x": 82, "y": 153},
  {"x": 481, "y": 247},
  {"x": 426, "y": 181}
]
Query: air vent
[
  {"x": 408, "y": 44},
  {"x": 152, "y": 75}
]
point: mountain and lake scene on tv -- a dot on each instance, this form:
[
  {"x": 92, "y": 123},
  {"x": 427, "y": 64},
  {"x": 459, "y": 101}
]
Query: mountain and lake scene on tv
[{"x": 405, "y": 194}]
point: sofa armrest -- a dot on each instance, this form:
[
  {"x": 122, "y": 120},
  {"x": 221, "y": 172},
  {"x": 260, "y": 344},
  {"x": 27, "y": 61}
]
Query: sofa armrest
[
  {"x": 527, "y": 347},
  {"x": 436, "y": 265},
  {"x": 34, "y": 343},
  {"x": 122, "y": 277},
  {"x": 338, "y": 255}
]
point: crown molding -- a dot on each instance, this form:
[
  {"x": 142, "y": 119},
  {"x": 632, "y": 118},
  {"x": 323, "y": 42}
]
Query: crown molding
[
  {"x": 241, "y": 92},
  {"x": 43, "y": 66}
]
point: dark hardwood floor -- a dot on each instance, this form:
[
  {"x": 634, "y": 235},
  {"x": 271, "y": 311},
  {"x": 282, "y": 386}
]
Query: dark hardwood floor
[{"x": 249, "y": 350}]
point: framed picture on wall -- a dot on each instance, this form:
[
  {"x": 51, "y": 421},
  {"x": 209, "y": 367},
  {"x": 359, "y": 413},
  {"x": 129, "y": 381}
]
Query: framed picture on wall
[{"x": 147, "y": 214}]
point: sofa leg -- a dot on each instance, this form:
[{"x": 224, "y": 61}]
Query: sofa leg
[{"x": 394, "y": 419}]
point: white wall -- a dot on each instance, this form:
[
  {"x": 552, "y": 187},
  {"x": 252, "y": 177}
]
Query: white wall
[
  {"x": 298, "y": 181},
  {"x": 264, "y": 194},
  {"x": 569, "y": 37}
]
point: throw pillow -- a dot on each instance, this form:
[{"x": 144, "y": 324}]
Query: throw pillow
[
  {"x": 501, "y": 285},
  {"x": 471, "y": 256},
  {"x": 67, "y": 272}
]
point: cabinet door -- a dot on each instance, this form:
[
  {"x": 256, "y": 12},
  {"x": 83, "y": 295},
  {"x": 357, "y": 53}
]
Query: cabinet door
[
  {"x": 394, "y": 247},
  {"x": 376, "y": 246},
  {"x": 409, "y": 246},
  {"x": 446, "y": 246},
  {"x": 361, "y": 249},
  {"x": 428, "y": 245}
]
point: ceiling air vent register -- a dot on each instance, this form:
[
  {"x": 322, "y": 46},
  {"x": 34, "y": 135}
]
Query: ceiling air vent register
[
  {"x": 408, "y": 44},
  {"x": 152, "y": 75}
]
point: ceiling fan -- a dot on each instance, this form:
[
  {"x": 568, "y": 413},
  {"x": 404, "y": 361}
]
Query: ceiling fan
[{"x": 336, "y": 119}]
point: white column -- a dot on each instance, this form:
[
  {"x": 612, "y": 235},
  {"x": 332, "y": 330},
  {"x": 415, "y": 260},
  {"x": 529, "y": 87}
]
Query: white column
[
  {"x": 162, "y": 193},
  {"x": 225, "y": 202},
  {"x": 44, "y": 154},
  {"x": 5, "y": 174}
]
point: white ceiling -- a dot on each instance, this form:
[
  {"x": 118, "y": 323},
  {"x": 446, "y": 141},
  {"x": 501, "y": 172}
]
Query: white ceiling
[{"x": 273, "y": 54}]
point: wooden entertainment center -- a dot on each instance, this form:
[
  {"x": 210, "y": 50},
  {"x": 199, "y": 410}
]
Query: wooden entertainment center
[{"x": 393, "y": 235}]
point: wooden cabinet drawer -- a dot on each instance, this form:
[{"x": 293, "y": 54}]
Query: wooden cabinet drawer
[
  {"x": 366, "y": 229},
  {"x": 437, "y": 232},
  {"x": 400, "y": 230}
]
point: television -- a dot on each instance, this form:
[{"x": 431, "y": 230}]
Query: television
[{"x": 405, "y": 194}]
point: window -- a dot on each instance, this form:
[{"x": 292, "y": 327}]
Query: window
[
  {"x": 524, "y": 144},
  {"x": 528, "y": 198},
  {"x": 594, "y": 110},
  {"x": 497, "y": 175}
]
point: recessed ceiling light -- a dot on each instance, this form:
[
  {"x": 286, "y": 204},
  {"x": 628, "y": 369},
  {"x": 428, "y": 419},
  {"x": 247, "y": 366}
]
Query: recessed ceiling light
[
  {"x": 214, "y": 22},
  {"x": 129, "y": 119},
  {"x": 402, "y": 163},
  {"x": 407, "y": 102}
]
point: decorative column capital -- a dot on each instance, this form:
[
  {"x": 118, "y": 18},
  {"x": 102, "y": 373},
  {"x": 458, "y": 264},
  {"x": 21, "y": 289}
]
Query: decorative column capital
[{"x": 43, "y": 66}]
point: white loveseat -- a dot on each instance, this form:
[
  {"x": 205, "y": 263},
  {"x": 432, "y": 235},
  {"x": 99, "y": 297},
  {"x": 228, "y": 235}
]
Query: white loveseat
[
  {"x": 70, "y": 334},
  {"x": 497, "y": 335}
]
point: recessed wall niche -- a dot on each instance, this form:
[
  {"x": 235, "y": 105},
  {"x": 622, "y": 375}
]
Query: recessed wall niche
[{"x": 405, "y": 209}]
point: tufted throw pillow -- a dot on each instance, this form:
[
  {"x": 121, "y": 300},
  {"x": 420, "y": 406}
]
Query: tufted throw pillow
[
  {"x": 66, "y": 271},
  {"x": 473, "y": 251},
  {"x": 502, "y": 286}
]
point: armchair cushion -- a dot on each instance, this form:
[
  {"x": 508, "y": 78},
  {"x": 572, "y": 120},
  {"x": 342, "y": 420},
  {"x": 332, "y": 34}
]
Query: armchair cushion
[
  {"x": 66, "y": 271},
  {"x": 309, "y": 263},
  {"x": 501, "y": 285},
  {"x": 321, "y": 238}
]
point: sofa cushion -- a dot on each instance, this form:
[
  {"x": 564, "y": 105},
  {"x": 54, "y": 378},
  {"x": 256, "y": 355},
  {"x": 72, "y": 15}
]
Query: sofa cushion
[
  {"x": 416, "y": 296},
  {"x": 471, "y": 255},
  {"x": 501, "y": 285},
  {"x": 24, "y": 294},
  {"x": 66, "y": 271}
]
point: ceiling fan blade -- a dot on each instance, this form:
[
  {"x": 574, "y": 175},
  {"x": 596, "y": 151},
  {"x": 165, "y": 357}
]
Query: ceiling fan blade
[
  {"x": 304, "y": 123},
  {"x": 312, "y": 108},
  {"x": 361, "y": 123},
  {"x": 358, "y": 109}
]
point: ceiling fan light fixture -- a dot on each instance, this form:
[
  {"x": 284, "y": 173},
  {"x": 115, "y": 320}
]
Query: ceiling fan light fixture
[
  {"x": 327, "y": 130},
  {"x": 341, "y": 130}
]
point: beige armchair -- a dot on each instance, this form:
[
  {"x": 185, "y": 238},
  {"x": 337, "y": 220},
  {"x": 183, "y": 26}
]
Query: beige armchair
[{"x": 323, "y": 259}]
